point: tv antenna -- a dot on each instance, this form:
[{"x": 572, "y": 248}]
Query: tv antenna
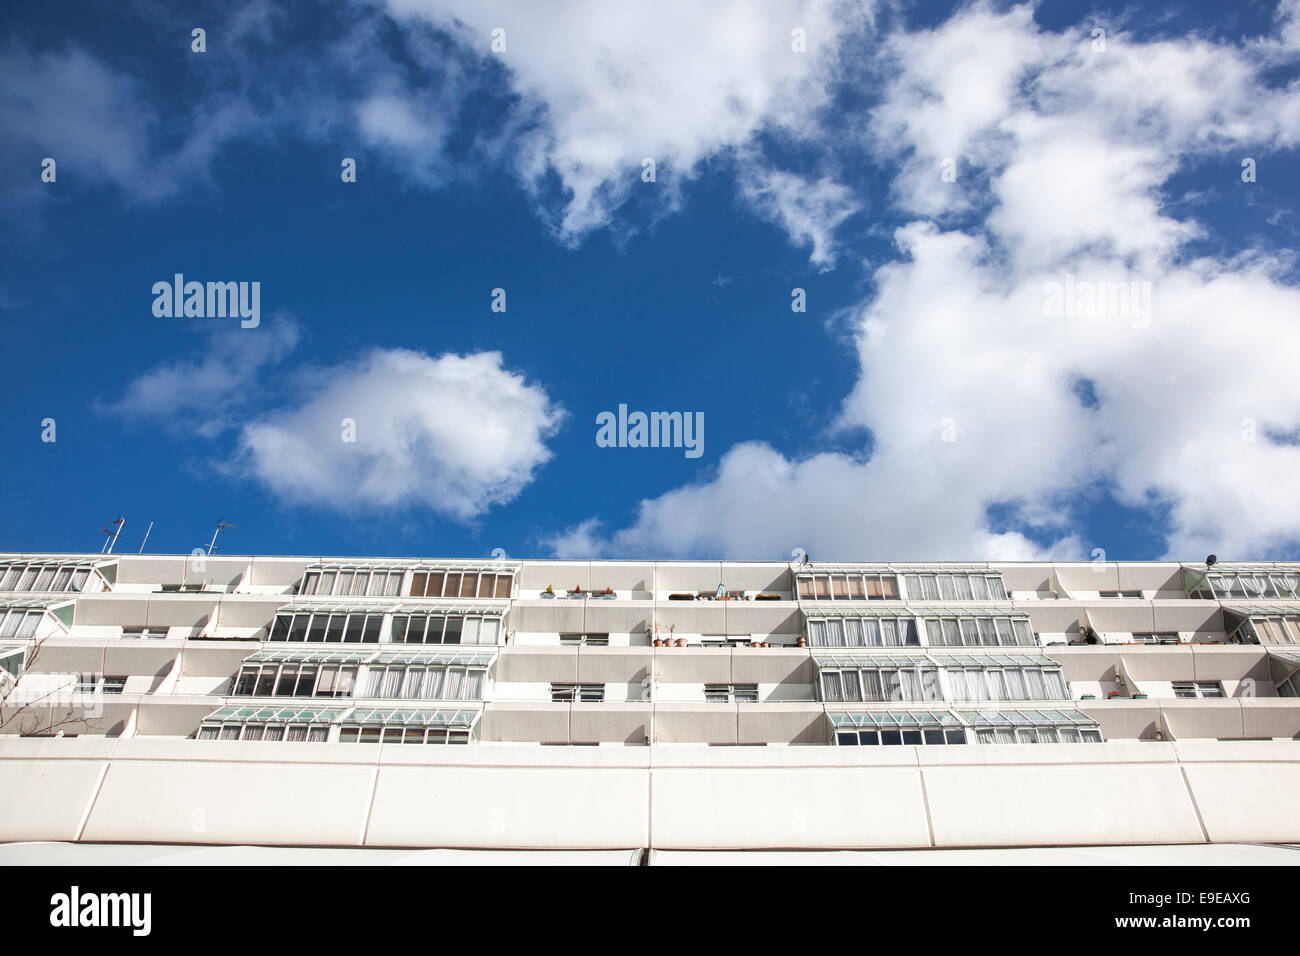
[
  {"x": 222, "y": 525},
  {"x": 110, "y": 534}
]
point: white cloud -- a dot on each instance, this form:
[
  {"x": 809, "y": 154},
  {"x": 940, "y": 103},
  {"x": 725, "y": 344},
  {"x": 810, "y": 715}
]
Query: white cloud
[
  {"x": 205, "y": 395},
  {"x": 809, "y": 211},
  {"x": 89, "y": 118},
  {"x": 455, "y": 434},
  {"x": 1074, "y": 148},
  {"x": 676, "y": 81}
]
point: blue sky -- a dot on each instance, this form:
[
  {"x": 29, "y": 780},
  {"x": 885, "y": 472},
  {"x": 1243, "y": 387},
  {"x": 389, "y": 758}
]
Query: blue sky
[{"x": 922, "y": 406}]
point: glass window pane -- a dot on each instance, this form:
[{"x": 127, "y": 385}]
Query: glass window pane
[
  {"x": 451, "y": 635},
  {"x": 832, "y": 687},
  {"x": 835, "y": 633}
]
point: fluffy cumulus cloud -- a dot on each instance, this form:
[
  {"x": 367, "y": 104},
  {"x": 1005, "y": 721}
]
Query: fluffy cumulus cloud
[
  {"x": 608, "y": 86},
  {"x": 590, "y": 91},
  {"x": 1052, "y": 268},
  {"x": 450, "y": 434},
  {"x": 454, "y": 434}
]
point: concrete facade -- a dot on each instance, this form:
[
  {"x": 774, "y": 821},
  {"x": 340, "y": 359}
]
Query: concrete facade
[{"x": 374, "y": 702}]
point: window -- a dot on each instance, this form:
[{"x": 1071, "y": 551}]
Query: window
[
  {"x": 1200, "y": 688},
  {"x": 354, "y": 627},
  {"x": 1243, "y": 584},
  {"x": 295, "y": 680},
  {"x": 955, "y": 586},
  {"x": 1007, "y": 683},
  {"x": 100, "y": 684},
  {"x": 317, "y": 733},
  {"x": 401, "y": 734},
  {"x": 144, "y": 633},
  {"x": 351, "y": 581},
  {"x": 590, "y": 640},
  {"x": 880, "y": 684},
  {"x": 21, "y": 576},
  {"x": 19, "y": 623},
  {"x": 460, "y": 584},
  {"x": 444, "y": 629},
  {"x": 979, "y": 632},
  {"x": 425, "y": 682},
  {"x": 585, "y": 693},
  {"x": 1161, "y": 637},
  {"x": 1127, "y": 595},
  {"x": 928, "y": 737},
  {"x": 1270, "y": 629},
  {"x": 847, "y": 587},
  {"x": 731, "y": 693},
  {"x": 1038, "y": 735},
  {"x": 863, "y": 632}
]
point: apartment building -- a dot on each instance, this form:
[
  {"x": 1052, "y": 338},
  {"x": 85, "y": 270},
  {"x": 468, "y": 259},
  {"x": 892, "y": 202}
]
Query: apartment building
[{"x": 621, "y": 704}]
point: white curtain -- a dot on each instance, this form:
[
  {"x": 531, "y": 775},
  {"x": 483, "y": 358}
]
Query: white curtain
[
  {"x": 832, "y": 687},
  {"x": 890, "y": 681},
  {"x": 853, "y": 629},
  {"x": 889, "y": 631},
  {"x": 392, "y": 682},
  {"x": 969, "y": 632},
  {"x": 817, "y": 633},
  {"x": 871, "y": 628}
]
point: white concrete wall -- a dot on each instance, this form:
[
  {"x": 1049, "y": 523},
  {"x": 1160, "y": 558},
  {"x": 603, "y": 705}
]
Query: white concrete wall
[{"x": 672, "y": 797}]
